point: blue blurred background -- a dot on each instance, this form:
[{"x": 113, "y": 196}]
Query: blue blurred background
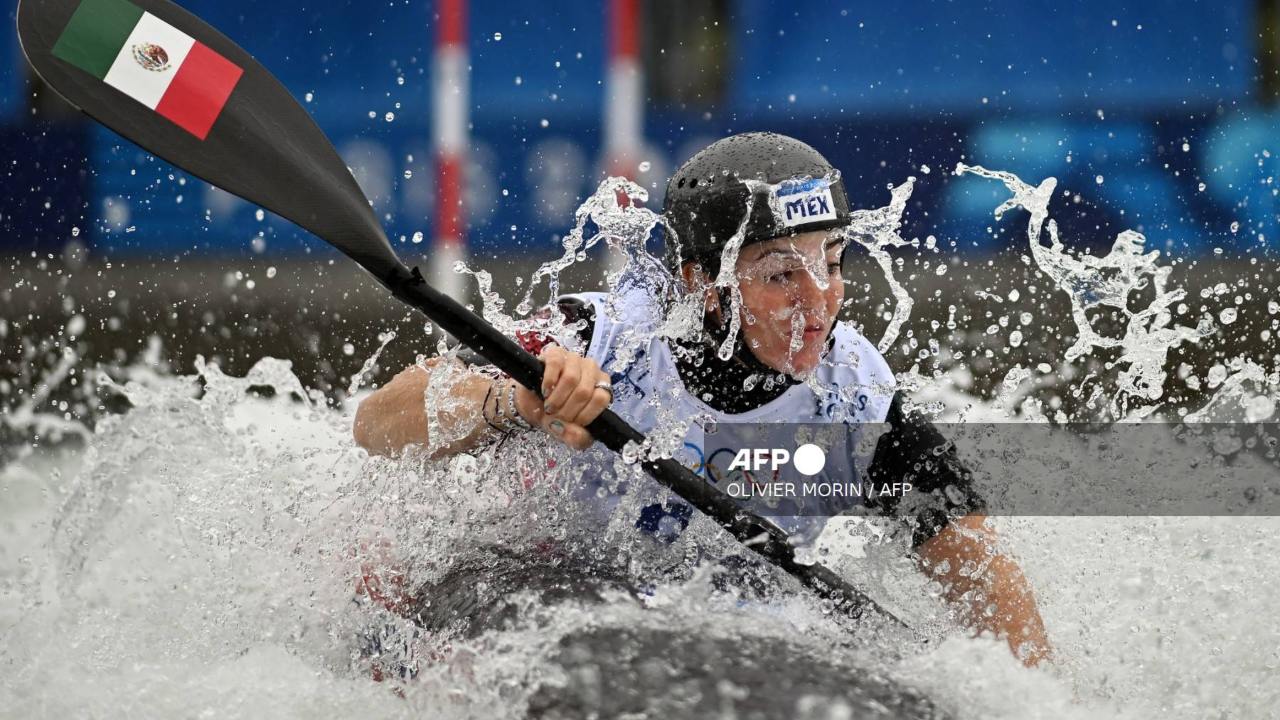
[{"x": 1152, "y": 115}]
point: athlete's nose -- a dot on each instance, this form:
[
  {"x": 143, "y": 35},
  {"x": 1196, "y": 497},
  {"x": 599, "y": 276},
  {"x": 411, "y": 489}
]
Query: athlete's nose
[{"x": 809, "y": 296}]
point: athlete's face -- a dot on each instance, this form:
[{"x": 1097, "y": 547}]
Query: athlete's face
[{"x": 791, "y": 292}]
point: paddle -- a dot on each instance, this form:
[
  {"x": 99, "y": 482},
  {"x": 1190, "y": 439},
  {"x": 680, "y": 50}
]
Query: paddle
[{"x": 161, "y": 77}]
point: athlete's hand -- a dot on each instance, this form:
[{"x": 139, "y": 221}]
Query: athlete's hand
[{"x": 572, "y": 399}]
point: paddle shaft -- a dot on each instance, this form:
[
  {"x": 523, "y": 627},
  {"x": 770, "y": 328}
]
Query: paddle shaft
[{"x": 763, "y": 538}]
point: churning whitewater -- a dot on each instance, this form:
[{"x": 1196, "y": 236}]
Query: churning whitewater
[{"x": 222, "y": 547}]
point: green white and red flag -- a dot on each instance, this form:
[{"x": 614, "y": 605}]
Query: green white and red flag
[{"x": 149, "y": 60}]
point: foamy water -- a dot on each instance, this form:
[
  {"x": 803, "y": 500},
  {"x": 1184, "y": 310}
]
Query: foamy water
[{"x": 200, "y": 557}]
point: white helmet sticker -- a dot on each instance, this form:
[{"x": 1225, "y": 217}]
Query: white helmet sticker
[{"x": 800, "y": 202}]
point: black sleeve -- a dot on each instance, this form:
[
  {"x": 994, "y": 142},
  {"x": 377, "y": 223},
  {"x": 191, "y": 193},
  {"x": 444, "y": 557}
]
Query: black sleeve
[
  {"x": 912, "y": 450},
  {"x": 574, "y": 310}
]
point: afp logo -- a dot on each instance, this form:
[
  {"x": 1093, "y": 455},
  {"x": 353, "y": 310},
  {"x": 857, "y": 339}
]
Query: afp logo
[
  {"x": 808, "y": 459},
  {"x": 799, "y": 202}
]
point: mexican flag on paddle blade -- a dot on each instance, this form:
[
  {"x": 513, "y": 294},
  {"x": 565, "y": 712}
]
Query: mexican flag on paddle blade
[{"x": 149, "y": 60}]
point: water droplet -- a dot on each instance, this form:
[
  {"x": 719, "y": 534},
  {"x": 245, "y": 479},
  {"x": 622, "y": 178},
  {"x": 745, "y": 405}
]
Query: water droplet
[
  {"x": 309, "y": 97},
  {"x": 1227, "y": 316},
  {"x": 408, "y": 174},
  {"x": 417, "y": 237},
  {"x": 1098, "y": 179},
  {"x": 644, "y": 166},
  {"x": 260, "y": 215},
  {"x": 544, "y": 122},
  {"x": 400, "y": 80},
  {"x": 1217, "y": 374},
  {"x": 389, "y": 116},
  {"x": 1235, "y": 227},
  {"x": 373, "y": 114},
  {"x": 926, "y": 169},
  {"x": 1186, "y": 147},
  {"x": 1015, "y": 338},
  {"x": 519, "y": 80},
  {"x": 271, "y": 272},
  {"x": 75, "y": 232},
  {"x": 348, "y": 349},
  {"x": 497, "y": 37},
  {"x": 941, "y": 270}
]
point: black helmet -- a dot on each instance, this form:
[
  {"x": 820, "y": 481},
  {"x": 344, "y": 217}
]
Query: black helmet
[{"x": 796, "y": 190}]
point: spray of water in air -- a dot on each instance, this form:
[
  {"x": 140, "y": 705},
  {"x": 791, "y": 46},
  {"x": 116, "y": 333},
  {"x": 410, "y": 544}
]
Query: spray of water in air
[{"x": 224, "y": 547}]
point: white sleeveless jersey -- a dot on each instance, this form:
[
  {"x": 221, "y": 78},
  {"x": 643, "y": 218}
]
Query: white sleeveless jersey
[{"x": 852, "y": 384}]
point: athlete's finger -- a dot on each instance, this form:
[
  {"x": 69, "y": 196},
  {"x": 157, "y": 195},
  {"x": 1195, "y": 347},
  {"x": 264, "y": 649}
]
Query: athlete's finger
[
  {"x": 578, "y": 438},
  {"x": 575, "y": 436},
  {"x": 570, "y": 375},
  {"x": 600, "y": 399},
  {"x": 581, "y": 393},
  {"x": 553, "y": 361}
]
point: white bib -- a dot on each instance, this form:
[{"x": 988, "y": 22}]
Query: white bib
[{"x": 852, "y": 384}]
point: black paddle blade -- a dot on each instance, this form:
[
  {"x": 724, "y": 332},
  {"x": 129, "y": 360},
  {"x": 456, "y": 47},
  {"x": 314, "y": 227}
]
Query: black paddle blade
[{"x": 110, "y": 58}]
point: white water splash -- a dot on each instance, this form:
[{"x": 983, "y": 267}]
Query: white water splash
[
  {"x": 199, "y": 557},
  {"x": 1245, "y": 392},
  {"x": 616, "y": 209},
  {"x": 1108, "y": 281},
  {"x": 370, "y": 362},
  {"x": 877, "y": 230}
]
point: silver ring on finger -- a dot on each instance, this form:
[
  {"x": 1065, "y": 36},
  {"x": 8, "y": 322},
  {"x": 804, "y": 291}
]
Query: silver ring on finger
[{"x": 606, "y": 386}]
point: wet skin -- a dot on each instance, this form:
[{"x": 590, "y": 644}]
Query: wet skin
[{"x": 791, "y": 291}]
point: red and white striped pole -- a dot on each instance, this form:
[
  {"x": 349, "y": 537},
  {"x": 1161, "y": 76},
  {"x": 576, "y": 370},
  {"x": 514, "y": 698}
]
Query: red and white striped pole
[
  {"x": 624, "y": 96},
  {"x": 450, "y": 90},
  {"x": 624, "y": 106}
]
